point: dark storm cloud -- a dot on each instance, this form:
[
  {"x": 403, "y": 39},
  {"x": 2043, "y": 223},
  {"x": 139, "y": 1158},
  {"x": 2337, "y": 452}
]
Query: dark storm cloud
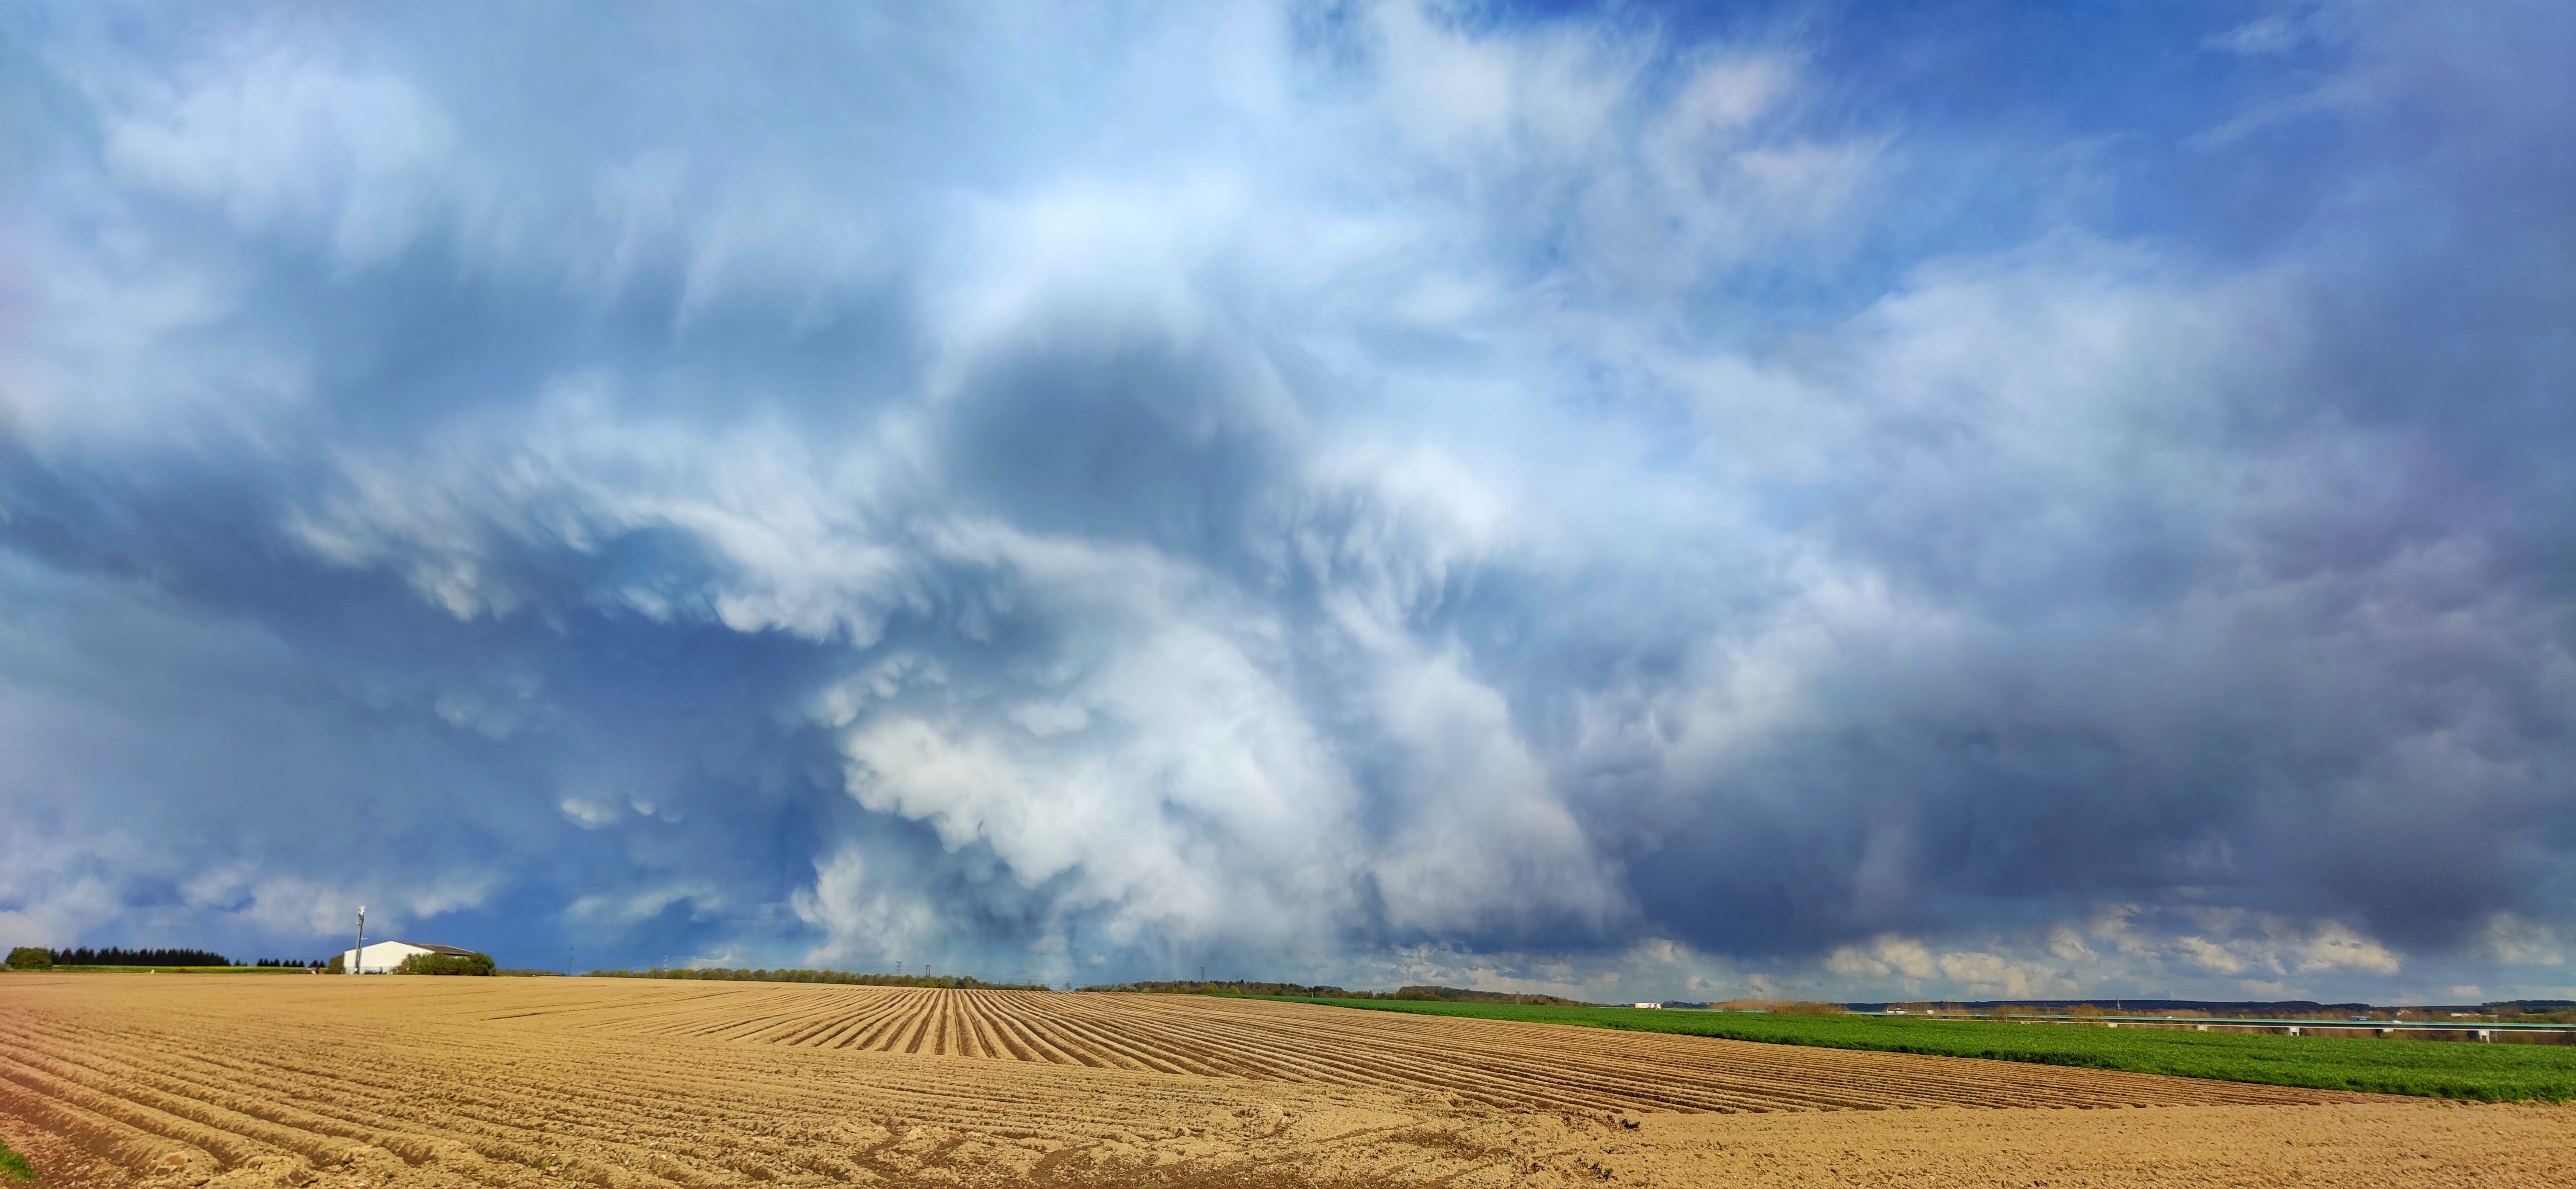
[{"x": 1407, "y": 495}]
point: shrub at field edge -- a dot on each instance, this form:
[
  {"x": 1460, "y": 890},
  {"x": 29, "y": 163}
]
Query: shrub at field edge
[
  {"x": 467, "y": 964},
  {"x": 14, "y": 1167}
]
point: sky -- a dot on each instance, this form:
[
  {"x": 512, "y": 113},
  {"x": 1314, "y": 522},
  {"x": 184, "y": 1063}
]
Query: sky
[{"x": 1810, "y": 500}]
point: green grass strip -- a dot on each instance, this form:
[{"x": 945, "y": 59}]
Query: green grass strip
[
  {"x": 2436, "y": 1069},
  {"x": 14, "y": 1167}
]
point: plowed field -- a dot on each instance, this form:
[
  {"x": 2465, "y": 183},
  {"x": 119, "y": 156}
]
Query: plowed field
[{"x": 367, "y": 1083}]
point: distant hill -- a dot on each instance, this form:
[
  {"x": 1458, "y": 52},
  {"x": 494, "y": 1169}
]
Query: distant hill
[
  {"x": 1463, "y": 995},
  {"x": 2274, "y": 1008},
  {"x": 2254, "y": 1009},
  {"x": 1321, "y": 991}
]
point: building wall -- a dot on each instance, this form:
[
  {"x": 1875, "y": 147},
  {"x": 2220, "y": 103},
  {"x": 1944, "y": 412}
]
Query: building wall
[{"x": 381, "y": 957}]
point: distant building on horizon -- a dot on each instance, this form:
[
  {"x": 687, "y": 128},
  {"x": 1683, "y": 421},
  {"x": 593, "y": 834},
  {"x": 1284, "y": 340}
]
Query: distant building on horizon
[{"x": 384, "y": 956}]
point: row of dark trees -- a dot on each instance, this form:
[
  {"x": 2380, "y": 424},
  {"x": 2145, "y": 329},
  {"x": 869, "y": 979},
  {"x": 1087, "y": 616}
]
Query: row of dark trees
[
  {"x": 1318, "y": 991},
  {"x": 1234, "y": 987},
  {"x": 113, "y": 956},
  {"x": 843, "y": 977}
]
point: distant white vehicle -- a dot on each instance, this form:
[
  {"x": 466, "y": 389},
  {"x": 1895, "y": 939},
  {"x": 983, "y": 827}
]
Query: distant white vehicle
[{"x": 1650, "y": 1005}]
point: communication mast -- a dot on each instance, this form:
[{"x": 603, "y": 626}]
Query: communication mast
[{"x": 358, "y": 956}]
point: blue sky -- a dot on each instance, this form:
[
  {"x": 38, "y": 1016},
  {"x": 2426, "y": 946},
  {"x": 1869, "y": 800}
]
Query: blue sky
[{"x": 1827, "y": 500}]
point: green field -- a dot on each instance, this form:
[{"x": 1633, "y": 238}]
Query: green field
[{"x": 2440, "y": 1069}]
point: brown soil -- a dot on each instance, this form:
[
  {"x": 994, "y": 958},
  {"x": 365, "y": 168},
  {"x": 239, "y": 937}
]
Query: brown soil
[{"x": 173, "y": 1082}]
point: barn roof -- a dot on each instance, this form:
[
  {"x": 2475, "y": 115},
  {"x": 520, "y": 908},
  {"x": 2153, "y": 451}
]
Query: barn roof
[{"x": 437, "y": 949}]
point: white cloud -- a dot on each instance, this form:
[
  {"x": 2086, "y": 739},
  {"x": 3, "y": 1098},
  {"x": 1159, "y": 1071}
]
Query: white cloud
[
  {"x": 629, "y": 907},
  {"x": 1217, "y": 813},
  {"x": 863, "y": 919},
  {"x": 782, "y": 240},
  {"x": 62, "y": 914},
  {"x": 2186, "y": 953},
  {"x": 449, "y": 891},
  {"x": 2265, "y": 35},
  {"x": 1882, "y": 957},
  {"x": 591, "y": 814},
  {"x": 1985, "y": 974},
  {"x": 2067, "y": 945},
  {"x": 2209, "y": 956},
  {"x": 99, "y": 363},
  {"x": 799, "y": 535},
  {"x": 2333, "y": 946},
  {"x": 2520, "y": 941},
  {"x": 278, "y": 136}
]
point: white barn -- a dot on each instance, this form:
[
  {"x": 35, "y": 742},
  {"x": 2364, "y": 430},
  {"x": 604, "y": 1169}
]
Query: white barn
[{"x": 383, "y": 956}]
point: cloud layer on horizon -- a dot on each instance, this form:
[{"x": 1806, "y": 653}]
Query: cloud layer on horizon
[{"x": 1370, "y": 493}]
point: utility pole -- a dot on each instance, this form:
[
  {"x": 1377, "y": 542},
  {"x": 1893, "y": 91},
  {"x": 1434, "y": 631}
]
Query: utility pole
[{"x": 358, "y": 956}]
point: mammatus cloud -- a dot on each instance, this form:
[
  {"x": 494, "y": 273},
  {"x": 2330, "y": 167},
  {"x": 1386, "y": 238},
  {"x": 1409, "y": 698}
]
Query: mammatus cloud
[{"x": 1392, "y": 493}]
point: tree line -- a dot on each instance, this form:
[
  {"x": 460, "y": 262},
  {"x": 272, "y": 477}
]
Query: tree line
[
  {"x": 32, "y": 957},
  {"x": 114, "y": 956},
  {"x": 952, "y": 982},
  {"x": 1320, "y": 991}
]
